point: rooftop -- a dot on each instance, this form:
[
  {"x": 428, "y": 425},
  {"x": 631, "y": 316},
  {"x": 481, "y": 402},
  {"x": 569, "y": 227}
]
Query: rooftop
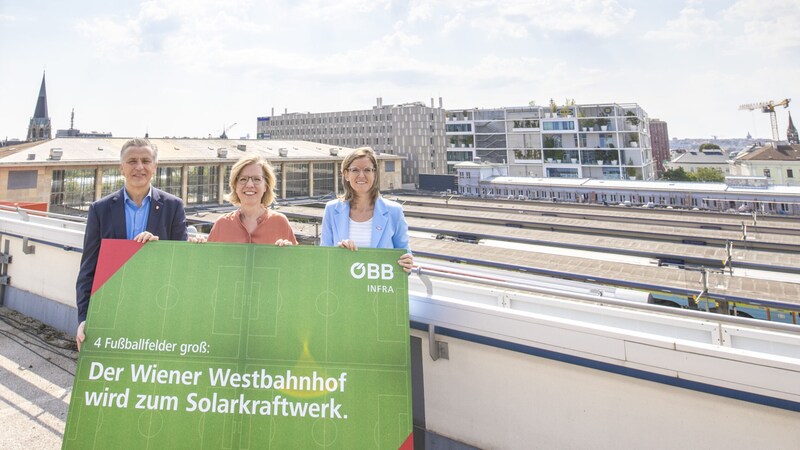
[
  {"x": 37, "y": 366},
  {"x": 770, "y": 152},
  {"x": 106, "y": 150}
]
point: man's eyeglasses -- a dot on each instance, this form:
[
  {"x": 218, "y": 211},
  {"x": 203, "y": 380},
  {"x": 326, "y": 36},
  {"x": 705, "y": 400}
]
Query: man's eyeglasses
[
  {"x": 255, "y": 180},
  {"x": 365, "y": 171}
]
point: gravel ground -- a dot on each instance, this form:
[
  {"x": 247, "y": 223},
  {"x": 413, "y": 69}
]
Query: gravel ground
[{"x": 37, "y": 367}]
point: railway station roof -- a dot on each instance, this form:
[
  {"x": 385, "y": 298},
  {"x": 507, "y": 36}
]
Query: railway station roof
[{"x": 93, "y": 151}]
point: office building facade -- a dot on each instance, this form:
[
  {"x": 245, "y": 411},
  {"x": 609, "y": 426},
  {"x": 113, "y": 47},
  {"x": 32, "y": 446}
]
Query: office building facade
[
  {"x": 410, "y": 130},
  {"x": 659, "y": 139},
  {"x": 605, "y": 141}
]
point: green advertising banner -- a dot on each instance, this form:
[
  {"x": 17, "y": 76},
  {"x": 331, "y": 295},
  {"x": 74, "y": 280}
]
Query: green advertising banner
[{"x": 243, "y": 346}]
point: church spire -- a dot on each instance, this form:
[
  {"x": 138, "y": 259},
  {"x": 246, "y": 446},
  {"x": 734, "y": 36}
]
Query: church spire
[
  {"x": 39, "y": 126},
  {"x": 791, "y": 132},
  {"x": 41, "y": 102}
]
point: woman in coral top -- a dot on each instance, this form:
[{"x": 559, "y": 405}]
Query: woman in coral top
[{"x": 252, "y": 182}]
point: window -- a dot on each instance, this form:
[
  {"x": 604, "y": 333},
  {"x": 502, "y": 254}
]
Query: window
[
  {"x": 296, "y": 179},
  {"x": 458, "y": 128},
  {"x": 22, "y": 179},
  {"x": 323, "y": 178},
  {"x": 112, "y": 181},
  {"x": 388, "y": 166},
  {"x": 526, "y": 123},
  {"x": 766, "y": 173},
  {"x": 562, "y": 173},
  {"x": 202, "y": 185},
  {"x": 789, "y": 173},
  {"x": 73, "y": 188},
  {"x": 168, "y": 179},
  {"x": 559, "y": 125},
  {"x": 276, "y": 168}
]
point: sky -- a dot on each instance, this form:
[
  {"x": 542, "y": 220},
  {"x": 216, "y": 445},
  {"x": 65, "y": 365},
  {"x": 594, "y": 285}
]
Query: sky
[{"x": 190, "y": 68}]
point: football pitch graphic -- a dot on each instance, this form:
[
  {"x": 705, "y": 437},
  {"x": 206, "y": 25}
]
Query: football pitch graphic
[{"x": 236, "y": 346}]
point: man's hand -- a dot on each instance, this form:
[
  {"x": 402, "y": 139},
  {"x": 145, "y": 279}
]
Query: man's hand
[
  {"x": 145, "y": 236},
  {"x": 80, "y": 335}
]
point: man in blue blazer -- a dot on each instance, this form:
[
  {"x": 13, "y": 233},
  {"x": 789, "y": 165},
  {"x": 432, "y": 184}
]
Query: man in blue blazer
[{"x": 138, "y": 212}]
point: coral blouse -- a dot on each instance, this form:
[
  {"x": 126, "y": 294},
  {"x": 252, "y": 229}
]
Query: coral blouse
[{"x": 271, "y": 227}]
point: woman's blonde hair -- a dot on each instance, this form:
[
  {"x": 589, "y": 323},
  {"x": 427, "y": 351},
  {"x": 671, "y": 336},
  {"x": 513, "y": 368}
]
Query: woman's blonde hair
[
  {"x": 269, "y": 179},
  {"x": 361, "y": 152}
]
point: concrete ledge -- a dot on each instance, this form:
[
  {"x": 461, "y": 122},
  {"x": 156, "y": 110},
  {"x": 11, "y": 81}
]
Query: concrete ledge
[{"x": 57, "y": 315}]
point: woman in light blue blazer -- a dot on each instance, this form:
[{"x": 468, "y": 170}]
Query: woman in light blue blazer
[{"x": 362, "y": 218}]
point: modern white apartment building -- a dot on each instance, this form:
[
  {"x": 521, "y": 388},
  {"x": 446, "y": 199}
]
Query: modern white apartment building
[
  {"x": 411, "y": 130},
  {"x": 605, "y": 141}
]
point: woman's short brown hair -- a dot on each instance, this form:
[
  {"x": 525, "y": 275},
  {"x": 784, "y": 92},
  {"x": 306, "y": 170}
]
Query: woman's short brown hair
[
  {"x": 361, "y": 152},
  {"x": 269, "y": 179}
]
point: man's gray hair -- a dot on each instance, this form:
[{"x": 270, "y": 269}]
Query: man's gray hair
[{"x": 138, "y": 142}]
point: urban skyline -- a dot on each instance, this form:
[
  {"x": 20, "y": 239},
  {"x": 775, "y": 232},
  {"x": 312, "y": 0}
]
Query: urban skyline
[{"x": 183, "y": 68}]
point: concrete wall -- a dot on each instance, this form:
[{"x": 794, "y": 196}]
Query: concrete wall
[
  {"x": 501, "y": 399},
  {"x": 42, "y": 283},
  {"x": 41, "y": 193}
]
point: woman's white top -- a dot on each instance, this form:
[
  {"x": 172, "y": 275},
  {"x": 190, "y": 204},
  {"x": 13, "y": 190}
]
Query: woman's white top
[{"x": 361, "y": 233}]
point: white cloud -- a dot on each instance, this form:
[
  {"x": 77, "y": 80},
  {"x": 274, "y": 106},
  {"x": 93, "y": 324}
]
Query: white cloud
[
  {"x": 114, "y": 40},
  {"x": 224, "y": 60},
  {"x": 765, "y": 24},
  {"x": 453, "y": 24},
  {"x": 594, "y": 17},
  {"x": 186, "y": 31},
  {"x": 746, "y": 26},
  {"x": 335, "y": 10},
  {"x": 691, "y": 27},
  {"x": 419, "y": 11}
]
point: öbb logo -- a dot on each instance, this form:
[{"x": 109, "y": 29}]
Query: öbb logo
[{"x": 372, "y": 271}]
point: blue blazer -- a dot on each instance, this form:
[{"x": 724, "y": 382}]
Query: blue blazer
[
  {"x": 389, "y": 227},
  {"x": 106, "y": 220}
]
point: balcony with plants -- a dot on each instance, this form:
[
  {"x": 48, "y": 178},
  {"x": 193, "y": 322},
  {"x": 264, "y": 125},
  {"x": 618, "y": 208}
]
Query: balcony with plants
[
  {"x": 632, "y": 121},
  {"x": 632, "y": 157},
  {"x": 527, "y": 155},
  {"x": 632, "y": 140},
  {"x": 632, "y": 172},
  {"x": 587, "y": 125},
  {"x": 600, "y": 157},
  {"x": 525, "y": 125},
  {"x": 604, "y": 123},
  {"x": 461, "y": 141},
  {"x": 556, "y": 152}
]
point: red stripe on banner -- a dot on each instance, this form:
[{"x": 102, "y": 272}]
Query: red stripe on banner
[
  {"x": 409, "y": 443},
  {"x": 114, "y": 253}
]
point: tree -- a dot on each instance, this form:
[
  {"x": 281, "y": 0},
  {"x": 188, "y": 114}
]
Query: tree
[
  {"x": 675, "y": 175},
  {"x": 704, "y": 175},
  {"x": 709, "y": 146},
  {"x": 707, "y": 174}
]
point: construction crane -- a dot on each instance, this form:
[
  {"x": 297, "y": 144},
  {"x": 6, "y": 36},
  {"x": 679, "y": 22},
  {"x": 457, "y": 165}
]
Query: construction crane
[
  {"x": 769, "y": 107},
  {"x": 224, "y": 134}
]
